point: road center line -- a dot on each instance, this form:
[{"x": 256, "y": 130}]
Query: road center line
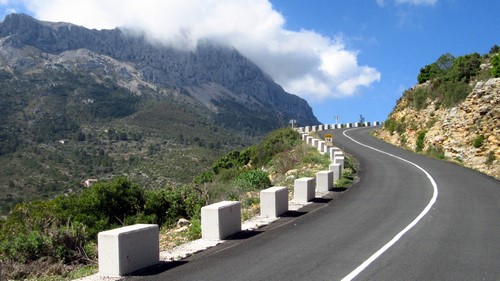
[{"x": 398, "y": 236}]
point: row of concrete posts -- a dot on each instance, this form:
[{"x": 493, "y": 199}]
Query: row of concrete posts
[
  {"x": 131, "y": 248},
  {"x": 323, "y": 127}
]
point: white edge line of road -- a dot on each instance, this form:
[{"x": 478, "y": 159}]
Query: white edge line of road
[{"x": 398, "y": 236}]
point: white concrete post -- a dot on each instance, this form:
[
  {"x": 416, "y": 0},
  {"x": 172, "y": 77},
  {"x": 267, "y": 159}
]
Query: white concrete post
[
  {"x": 220, "y": 220},
  {"x": 321, "y": 146},
  {"x": 334, "y": 150},
  {"x": 128, "y": 249},
  {"x": 324, "y": 180},
  {"x": 309, "y": 140},
  {"x": 274, "y": 201},
  {"x": 337, "y": 172},
  {"x": 304, "y": 190},
  {"x": 315, "y": 142},
  {"x": 340, "y": 160},
  {"x": 337, "y": 154}
]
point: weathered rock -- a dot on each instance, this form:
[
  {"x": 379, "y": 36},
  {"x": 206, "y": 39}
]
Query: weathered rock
[
  {"x": 183, "y": 222},
  {"x": 454, "y": 130}
]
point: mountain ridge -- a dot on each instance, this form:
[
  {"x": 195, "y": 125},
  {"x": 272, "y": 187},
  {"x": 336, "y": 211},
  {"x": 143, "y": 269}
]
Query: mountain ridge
[{"x": 209, "y": 63}]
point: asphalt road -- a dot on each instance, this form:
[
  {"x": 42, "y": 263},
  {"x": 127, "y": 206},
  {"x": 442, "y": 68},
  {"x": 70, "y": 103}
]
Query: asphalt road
[{"x": 457, "y": 239}]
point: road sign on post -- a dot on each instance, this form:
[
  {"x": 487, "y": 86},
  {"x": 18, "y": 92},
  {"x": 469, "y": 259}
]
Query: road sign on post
[{"x": 329, "y": 139}]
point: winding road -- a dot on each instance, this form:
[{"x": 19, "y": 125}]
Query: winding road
[{"x": 409, "y": 217}]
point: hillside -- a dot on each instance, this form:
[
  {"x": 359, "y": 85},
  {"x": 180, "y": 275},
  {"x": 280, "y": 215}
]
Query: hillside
[
  {"x": 452, "y": 117},
  {"x": 78, "y": 104}
]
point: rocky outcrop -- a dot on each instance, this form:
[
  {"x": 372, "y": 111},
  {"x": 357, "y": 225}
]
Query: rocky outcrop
[{"x": 468, "y": 133}]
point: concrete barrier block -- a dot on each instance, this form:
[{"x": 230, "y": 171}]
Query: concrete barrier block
[
  {"x": 348, "y": 125},
  {"x": 304, "y": 190},
  {"x": 337, "y": 171},
  {"x": 220, "y": 220},
  {"x": 309, "y": 140},
  {"x": 333, "y": 150},
  {"x": 321, "y": 147},
  {"x": 304, "y": 137},
  {"x": 128, "y": 249},
  {"x": 315, "y": 142},
  {"x": 320, "y": 128},
  {"x": 324, "y": 180},
  {"x": 337, "y": 154},
  {"x": 273, "y": 201},
  {"x": 340, "y": 160},
  {"x": 307, "y": 129}
]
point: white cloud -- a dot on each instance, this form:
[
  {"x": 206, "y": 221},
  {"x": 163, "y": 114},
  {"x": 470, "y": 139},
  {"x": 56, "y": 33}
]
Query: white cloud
[
  {"x": 418, "y": 2},
  {"x": 381, "y": 3},
  {"x": 303, "y": 62}
]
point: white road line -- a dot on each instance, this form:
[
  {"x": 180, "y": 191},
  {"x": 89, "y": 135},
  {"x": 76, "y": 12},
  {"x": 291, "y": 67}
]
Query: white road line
[{"x": 398, "y": 236}]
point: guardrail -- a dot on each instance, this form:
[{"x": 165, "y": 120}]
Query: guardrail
[{"x": 131, "y": 248}]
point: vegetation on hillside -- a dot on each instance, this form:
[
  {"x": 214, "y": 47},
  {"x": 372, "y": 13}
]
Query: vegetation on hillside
[
  {"x": 451, "y": 114},
  {"x": 58, "y": 128},
  {"x": 60, "y": 233},
  {"x": 450, "y": 78}
]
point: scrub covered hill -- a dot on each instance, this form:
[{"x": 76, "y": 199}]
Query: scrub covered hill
[
  {"x": 81, "y": 104},
  {"x": 453, "y": 113}
]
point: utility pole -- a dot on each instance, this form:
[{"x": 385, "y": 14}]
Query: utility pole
[
  {"x": 293, "y": 121},
  {"x": 336, "y": 118}
]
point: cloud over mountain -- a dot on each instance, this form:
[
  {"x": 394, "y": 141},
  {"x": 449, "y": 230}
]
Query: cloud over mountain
[{"x": 304, "y": 62}]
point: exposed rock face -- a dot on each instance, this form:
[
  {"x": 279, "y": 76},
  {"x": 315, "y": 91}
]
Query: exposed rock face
[
  {"x": 217, "y": 76},
  {"x": 468, "y": 133}
]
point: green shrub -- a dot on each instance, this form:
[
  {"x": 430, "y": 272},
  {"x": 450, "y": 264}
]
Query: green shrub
[
  {"x": 274, "y": 143},
  {"x": 420, "y": 141},
  {"x": 194, "y": 231},
  {"x": 495, "y": 62},
  {"x": 403, "y": 139},
  {"x": 435, "y": 151},
  {"x": 253, "y": 180},
  {"x": 230, "y": 160},
  {"x": 478, "y": 141},
  {"x": 204, "y": 177}
]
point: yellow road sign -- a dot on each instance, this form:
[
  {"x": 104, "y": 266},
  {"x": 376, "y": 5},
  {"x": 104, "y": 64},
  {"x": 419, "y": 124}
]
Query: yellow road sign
[{"x": 329, "y": 139}]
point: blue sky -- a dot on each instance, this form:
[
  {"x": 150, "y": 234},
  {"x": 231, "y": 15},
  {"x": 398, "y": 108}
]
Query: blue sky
[
  {"x": 345, "y": 57},
  {"x": 396, "y": 39}
]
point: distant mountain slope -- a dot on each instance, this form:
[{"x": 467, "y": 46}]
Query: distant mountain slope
[
  {"x": 453, "y": 114},
  {"x": 78, "y": 103},
  {"x": 213, "y": 71}
]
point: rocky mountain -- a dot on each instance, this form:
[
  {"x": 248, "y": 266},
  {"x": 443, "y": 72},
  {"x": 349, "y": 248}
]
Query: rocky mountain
[
  {"x": 466, "y": 131},
  {"x": 77, "y": 103},
  {"x": 216, "y": 76}
]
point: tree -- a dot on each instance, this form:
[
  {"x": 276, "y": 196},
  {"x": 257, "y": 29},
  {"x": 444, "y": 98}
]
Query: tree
[
  {"x": 495, "y": 62},
  {"x": 495, "y": 49},
  {"x": 465, "y": 67},
  {"x": 427, "y": 73}
]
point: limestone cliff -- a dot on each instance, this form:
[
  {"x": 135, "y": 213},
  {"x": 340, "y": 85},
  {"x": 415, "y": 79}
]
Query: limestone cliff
[{"x": 468, "y": 133}]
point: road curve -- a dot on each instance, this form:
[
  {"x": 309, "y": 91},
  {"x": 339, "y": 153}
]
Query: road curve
[{"x": 458, "y": 239}]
